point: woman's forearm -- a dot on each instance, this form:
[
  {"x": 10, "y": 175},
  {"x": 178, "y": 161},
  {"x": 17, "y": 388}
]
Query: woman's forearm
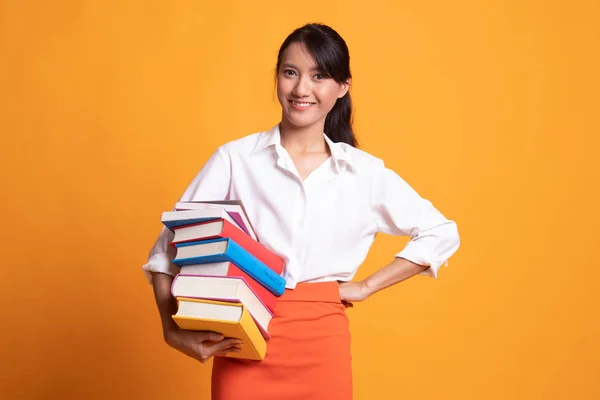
[
  {"x": 397, "y": 271},
  {"x": 167, "y": 304}
]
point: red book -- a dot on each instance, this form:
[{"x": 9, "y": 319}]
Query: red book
[
  {"x": 221, "y": 228},
  {"x": 229, "y": 269}
]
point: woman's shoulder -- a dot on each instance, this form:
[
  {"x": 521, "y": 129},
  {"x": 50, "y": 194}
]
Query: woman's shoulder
[
  {"x": 244, "y": 145},
  {"x": 360, "y": 159}
]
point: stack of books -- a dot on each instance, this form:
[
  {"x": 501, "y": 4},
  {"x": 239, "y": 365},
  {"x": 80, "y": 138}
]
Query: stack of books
[{"x": 228, "y": 282}]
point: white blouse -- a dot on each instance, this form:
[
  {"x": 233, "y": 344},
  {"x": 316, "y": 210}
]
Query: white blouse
[{"x": 324, "y": 226}]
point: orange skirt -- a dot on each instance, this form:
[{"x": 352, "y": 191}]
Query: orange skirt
[{"x": 308, "y": 355}]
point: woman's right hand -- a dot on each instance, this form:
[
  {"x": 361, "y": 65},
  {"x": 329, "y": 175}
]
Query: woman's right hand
[{"x": 201, "y": 345}]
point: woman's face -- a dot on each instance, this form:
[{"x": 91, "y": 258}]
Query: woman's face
[{"x": 305, "y": 93}]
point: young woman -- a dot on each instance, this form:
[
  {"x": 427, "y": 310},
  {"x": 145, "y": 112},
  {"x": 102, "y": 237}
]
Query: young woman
[{"x": 317, "y": 201}]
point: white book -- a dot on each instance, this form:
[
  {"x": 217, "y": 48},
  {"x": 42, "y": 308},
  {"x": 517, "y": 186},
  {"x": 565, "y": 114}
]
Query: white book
[
  {"x": 223, "y": 288},
  {"x": 201, "y": 231},
  {"x": 234, "y": 208},
  {"x": 173, "y": 219}
]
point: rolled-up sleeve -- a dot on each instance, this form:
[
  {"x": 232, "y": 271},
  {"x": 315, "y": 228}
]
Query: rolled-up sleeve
[
  {"x": 211, "y": 183},
  {"x": 399, "y": 210}
]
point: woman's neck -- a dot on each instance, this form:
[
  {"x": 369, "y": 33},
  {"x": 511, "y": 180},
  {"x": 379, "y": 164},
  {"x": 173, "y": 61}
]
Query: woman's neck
[{"x": 302, "y": 140}]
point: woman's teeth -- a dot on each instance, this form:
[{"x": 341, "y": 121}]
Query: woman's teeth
[{"x": 302, "y": 104}]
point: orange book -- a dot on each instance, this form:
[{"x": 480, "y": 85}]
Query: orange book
[{"x": 228, "y": 319}]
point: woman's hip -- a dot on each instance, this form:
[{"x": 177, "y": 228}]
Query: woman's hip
[{"x": 308, "y": 353}]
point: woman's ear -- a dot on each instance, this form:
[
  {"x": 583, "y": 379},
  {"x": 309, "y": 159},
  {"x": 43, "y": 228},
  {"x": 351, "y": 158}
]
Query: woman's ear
[{"x": 344, "y": 87}]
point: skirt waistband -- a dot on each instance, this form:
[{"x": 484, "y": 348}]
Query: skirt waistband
[{"x": 327, "y": 292}]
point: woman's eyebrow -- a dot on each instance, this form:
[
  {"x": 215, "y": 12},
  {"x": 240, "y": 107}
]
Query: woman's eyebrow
[{"x": 288, "y": 65}]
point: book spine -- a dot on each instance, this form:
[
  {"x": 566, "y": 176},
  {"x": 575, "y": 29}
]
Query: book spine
[
  {"x": 255, "y": 268},
  {"x": 256, "y": 338},
  {"x": 268, "y": 298},
  {"x": 269, "y": 258}
]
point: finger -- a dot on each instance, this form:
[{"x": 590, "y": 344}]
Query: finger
[
  {"x": 212, "y": 336},
  {"x": 231, "y": 341},
  {"x": 228, "y": 351},
  {"x": 207, "y": 350},
  {"x": 223, "y": 345},
  {"x": 234, "y": 342}
]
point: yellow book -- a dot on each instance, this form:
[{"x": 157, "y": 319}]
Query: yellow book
[{"x": 228, "y": 319}]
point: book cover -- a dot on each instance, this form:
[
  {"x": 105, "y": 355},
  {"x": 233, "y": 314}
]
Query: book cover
[
  {"x": 232, "y": 252},
  {"x": 242, "y": 327},
  {"x": 235, "y": 208},
  {"x": 230, "y": 231},
  {"x": 173, "y": 219},
  {"x": 229, "y": 269},
  {"x": 228, "y": 289}
]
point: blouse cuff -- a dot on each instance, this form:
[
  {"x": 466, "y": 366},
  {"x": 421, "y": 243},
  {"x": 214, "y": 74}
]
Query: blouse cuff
[
  {"x": 422, "y": 255},
  {"x": 160, "y": 262}
]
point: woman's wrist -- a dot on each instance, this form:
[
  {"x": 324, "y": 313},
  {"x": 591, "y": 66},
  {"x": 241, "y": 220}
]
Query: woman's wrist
[
  {"x": 366, "y": 289},
  {"x": 169, "y": 327},
  {"x": 398, "y": 270}
]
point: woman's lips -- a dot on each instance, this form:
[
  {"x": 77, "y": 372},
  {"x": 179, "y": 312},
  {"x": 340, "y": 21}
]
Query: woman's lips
[{"x": 301, "y": 105}]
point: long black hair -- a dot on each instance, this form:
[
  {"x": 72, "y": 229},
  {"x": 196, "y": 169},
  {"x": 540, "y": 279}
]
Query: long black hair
[{"x": 333, "y": 58}]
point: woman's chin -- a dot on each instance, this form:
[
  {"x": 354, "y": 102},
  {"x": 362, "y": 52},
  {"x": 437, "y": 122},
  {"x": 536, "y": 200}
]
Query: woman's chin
[{"x": 299, "y": 122}]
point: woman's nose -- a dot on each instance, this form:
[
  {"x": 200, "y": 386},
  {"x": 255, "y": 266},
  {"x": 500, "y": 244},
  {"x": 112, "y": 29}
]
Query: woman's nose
[{"x": 302, "y": 87}]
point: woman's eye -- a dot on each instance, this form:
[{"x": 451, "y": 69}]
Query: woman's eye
[
  {"x": 289, "y": 72},
  {"x": 320, "y": 76}
]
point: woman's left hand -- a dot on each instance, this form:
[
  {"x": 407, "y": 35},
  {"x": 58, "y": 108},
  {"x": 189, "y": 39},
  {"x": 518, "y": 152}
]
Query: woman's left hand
[{"x": 352, "y": 291}]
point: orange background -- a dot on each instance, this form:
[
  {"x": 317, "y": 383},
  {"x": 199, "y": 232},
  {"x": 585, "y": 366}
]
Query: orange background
[{"x": 489, "y": 109}]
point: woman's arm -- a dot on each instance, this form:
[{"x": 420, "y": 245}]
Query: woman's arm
[
  {"x": 397, "y": 271},
  {"x": 397, "y": 209},
  {"x": 201, "y": 345},
  {"x": 166, "y": 303},
  {"x": 211, "y": 183}
]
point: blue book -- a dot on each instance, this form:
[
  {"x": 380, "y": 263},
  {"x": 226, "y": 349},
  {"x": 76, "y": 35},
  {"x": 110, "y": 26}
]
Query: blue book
[{"x": 226, "y": 250}]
